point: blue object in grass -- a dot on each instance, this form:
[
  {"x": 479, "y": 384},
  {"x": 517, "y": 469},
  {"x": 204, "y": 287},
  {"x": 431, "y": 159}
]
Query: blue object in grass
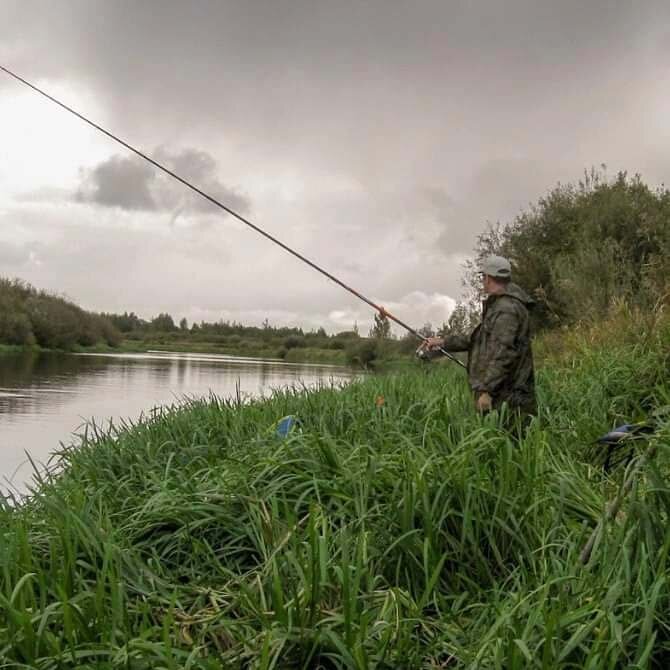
[
  {"x": 626, "y": 430},
  {"x": 620, "y": 438},
  {"x": 287, "y": 425}
]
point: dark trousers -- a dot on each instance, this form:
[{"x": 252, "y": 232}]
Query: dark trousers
[{"x": 519, "y": 412}]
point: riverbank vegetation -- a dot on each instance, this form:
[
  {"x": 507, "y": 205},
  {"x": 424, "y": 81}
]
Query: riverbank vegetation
[{"x": 395, "y": 528}]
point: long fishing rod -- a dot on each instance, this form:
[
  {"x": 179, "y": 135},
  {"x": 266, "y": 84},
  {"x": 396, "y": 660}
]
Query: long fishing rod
[{"x": 383, "y": 312}]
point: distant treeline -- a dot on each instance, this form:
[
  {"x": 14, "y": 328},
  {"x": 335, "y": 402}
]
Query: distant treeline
[
  {"x": 30, "y": 317},
  {"x": 230, "y": 336},
  {"x": 290, "y": 343},
  {"x": 132, "y": 325}
]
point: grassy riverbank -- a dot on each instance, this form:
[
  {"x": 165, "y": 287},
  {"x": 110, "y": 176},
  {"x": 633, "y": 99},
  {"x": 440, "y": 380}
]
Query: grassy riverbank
[
  {"x": 397, "y": 533},
  {"x": 17, "y": 349}
]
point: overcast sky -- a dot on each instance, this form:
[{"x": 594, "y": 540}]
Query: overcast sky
[{"x": 377, "y": 136}]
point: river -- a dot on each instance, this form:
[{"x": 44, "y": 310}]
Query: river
[{"x": 47, "y": 399}]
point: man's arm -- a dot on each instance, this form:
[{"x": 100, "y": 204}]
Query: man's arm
[
  {"x": 456, "y": 343},
  {"x": 451, "y": 343}
]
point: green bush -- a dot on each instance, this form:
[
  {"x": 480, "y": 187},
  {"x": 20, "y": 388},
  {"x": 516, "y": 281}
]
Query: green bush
[
  {"x": 109, "y": 333},
  {"x": 582, "y": 247},
  {"x": 363, "y": 353},
  {"x": 15, "y": 328},
  {"x": 55, "y": 324},
  {"x": 28, "y": 317},
  {"x": 294, "y": 342}
]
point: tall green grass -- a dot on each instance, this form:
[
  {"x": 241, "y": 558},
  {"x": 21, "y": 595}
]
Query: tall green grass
[{"x": 408, "y": 533}]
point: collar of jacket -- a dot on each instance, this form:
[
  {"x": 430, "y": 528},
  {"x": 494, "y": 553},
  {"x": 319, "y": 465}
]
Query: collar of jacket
[{"x": 512, "y": 290}]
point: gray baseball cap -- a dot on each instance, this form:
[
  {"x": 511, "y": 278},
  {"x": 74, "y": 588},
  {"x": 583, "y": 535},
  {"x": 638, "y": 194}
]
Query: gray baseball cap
[{"x": 496, "y": 266}]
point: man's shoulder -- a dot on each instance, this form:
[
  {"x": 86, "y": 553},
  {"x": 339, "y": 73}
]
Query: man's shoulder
[{"x": 507, "y": 304}]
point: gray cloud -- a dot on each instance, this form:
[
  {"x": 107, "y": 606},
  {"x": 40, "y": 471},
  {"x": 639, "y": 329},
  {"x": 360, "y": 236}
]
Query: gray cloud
[
  {"x": 131, "y": 183},
  {"x": 200, "y": 168},
  {"x": 119, "y": 182}
]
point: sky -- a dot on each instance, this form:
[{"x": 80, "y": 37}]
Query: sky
[{"x": 377, "y": 137}]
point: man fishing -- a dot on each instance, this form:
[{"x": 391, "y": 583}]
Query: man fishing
[
  {"x": 500, "y": 359},
  {"x": 500, "y": 365}
]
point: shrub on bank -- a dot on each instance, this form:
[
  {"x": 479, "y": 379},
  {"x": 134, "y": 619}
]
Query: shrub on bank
[
  {"x": 365, "y": 352},
  {"x": 294, "y": 341},
  {"x": 584, "y": 246},
  {"x": 29, "y": 317}
]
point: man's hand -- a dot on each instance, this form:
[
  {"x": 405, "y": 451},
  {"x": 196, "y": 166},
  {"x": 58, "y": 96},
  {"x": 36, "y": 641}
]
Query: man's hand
[
  {"x": 431, "y": 343},
  {"x": 484, "y": 403}
]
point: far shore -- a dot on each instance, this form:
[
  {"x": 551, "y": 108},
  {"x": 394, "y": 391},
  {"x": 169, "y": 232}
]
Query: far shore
[{"x": 297, "y": 355}]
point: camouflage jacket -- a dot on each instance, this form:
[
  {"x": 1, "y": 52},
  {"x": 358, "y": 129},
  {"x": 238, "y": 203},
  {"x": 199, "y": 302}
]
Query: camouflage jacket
[{"x": 500, "y": 360}]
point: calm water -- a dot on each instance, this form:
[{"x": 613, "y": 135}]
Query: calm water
[{"x": 45, "y": 399}]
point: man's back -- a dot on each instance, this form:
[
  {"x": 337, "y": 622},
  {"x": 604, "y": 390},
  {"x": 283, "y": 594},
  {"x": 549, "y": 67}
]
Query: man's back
[{"x": 500, "y": 358}]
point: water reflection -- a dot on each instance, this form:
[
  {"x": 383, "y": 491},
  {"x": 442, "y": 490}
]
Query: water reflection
[{"x": 46, "y": 398}]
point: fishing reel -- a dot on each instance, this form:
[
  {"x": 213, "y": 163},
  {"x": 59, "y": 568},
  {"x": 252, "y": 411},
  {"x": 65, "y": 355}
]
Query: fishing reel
[
  {"x": 422, "y": 353},
  {"x": 426, "y": 355}
]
